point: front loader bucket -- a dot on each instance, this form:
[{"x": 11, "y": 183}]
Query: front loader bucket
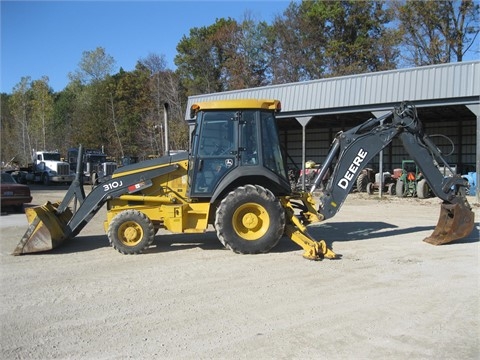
[
  {"x": 47, "y": 230},
  {"x": 455, "y": 222}
]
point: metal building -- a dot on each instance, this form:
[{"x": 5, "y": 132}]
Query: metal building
[{"x": 447, "y": 98}]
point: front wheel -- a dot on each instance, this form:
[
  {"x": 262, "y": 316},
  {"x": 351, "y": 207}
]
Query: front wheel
[
  {"x": 250, "y": 220},
  {"x": 45, "y": 179},
  {"x": 131, "y": 232}
]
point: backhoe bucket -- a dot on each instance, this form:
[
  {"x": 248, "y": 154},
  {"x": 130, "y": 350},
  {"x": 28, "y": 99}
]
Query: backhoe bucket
[
  {"x": 47, "y": 229},
  {"x": 455, "y": 222}
]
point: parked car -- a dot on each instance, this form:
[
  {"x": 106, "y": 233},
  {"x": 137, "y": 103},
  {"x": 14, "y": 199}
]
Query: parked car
[{"x": 13, "y": 194}]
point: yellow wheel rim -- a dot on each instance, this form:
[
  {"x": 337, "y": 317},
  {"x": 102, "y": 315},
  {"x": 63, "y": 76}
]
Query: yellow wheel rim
[
  {"x": 130, "y": 233},
  {"x": 251, "y": 221}
]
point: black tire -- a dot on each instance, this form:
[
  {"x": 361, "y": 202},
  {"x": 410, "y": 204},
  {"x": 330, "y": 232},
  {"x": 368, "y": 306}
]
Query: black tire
[
  {"x": 131, "y": 232},
  {"x": 45, "y": 179},
  {"x": 399, "y": 188},
  {"x": 19, "y": 208},
  {"x": 250, "y": 220},
  {"x": 362, "y": 182},
  {"x": 422, "y": 189},
  {"x": 391, "y": 189},
  {"x": 94, "y": 180},
  {"x": 370, "y": 188}
]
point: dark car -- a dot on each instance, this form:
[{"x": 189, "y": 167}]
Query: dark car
[{"x": 13, "y": 194}]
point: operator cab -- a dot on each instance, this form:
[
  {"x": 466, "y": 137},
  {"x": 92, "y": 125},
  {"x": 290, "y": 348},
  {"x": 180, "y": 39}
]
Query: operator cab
[{"x": 233, "y": 140}]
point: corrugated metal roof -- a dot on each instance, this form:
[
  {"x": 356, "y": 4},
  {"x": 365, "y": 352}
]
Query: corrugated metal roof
[{"x": 446, "y": 84}]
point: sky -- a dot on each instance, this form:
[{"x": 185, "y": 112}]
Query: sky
[{"x": 47, "y": 38}]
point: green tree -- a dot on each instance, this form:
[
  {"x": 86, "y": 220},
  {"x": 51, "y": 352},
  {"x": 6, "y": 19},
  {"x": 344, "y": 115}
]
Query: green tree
[
  {"x": 130, "y": 107},
  {"x": 9, "y": 145},
  {"x": 63, "y": 116},
  {"x": 89, "y": 120},
  {"x": 246, "y": 54},
  {"x": 201, "y": 57},
  {"x": 358, "y": 39},
  {"x": 299, "y": 44},
  {"x": 224, "y": 56},
  {"x": 330, "y": 38},
  {"x": 94, "y": 66}
]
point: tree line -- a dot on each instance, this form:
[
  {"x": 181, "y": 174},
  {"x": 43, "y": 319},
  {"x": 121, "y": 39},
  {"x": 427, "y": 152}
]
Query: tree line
[{"x": 123, "y": 111}]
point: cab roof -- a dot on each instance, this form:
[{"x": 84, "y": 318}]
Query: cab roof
[{"x": 267, "y": 104}]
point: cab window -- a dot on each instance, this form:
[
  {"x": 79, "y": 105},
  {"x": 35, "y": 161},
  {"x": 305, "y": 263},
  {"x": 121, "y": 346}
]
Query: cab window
[{"x": 272, "y": 156}]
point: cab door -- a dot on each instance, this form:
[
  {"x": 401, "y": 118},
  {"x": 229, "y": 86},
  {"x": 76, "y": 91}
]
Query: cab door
[{"x": 215, "y": 150}]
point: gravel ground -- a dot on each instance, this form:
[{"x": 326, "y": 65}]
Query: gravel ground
[{"x": 390, "y": 295}]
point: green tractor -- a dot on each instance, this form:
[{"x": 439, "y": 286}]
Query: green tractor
[{"x": 411, "y": 181}]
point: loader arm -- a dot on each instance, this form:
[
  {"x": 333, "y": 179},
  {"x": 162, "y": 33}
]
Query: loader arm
[
  {"x": 110, "y": 189},
  {"x": 52, "y": 224},
  {"x": 352, "y": 150}
]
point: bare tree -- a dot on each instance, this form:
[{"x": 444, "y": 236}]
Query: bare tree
[
  {"x": 164, "y": 87},
  {"x": 436, "y": 32},
  {"x": 20, "y": 107},
  {"x": 42, "y": 110}
]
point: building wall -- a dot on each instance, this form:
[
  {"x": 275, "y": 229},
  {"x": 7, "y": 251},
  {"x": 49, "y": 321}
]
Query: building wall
[{"x": 318, "y": 141}]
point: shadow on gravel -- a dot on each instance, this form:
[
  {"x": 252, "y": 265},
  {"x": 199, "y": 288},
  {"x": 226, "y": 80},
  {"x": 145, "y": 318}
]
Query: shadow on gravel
[
  {"x": 162, "y": 243},
  {"x": 365, "y": 230},
  {"x": 332, "y": 232},
  {"x": 358, "y": 230},
  {"x": 80, "y": 244},
  {"x": 179, "y": 242},
  {"x": 361, "y": 230},
  {"x": 347, "y": 231}
]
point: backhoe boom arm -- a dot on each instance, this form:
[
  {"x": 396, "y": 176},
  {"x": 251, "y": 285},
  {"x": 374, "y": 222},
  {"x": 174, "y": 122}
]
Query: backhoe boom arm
[{"x": 352, "y": 150}]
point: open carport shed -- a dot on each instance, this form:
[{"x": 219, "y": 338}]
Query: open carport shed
[{"x": 447, "y": 98}]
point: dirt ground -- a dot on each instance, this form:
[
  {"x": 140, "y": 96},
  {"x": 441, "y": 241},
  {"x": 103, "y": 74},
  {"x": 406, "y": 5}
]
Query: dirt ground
[{"x": 391, "y": 295}]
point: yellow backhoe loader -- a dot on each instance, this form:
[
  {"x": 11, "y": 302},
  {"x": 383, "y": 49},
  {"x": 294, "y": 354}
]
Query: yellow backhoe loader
[{"x": 234, "y": 178}]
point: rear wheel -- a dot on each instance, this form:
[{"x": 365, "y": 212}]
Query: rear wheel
[
  {"x": 370, "y": 188},
  {"x": 362, "y": 182},
  {"x": 391, "y": 189},
  {"x": 131, "y": 232},
  {"x": 399, "y": 188},
  {"x": 250, "y": 220},
  {"x": 422, "y": 189}
]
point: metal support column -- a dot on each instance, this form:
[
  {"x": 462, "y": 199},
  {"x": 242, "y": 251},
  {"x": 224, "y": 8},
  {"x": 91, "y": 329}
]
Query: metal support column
[
  {"x": 378, "y": 114},
  {"x": 303, "y": 121},
  {"x": 475, "y": 108}
]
